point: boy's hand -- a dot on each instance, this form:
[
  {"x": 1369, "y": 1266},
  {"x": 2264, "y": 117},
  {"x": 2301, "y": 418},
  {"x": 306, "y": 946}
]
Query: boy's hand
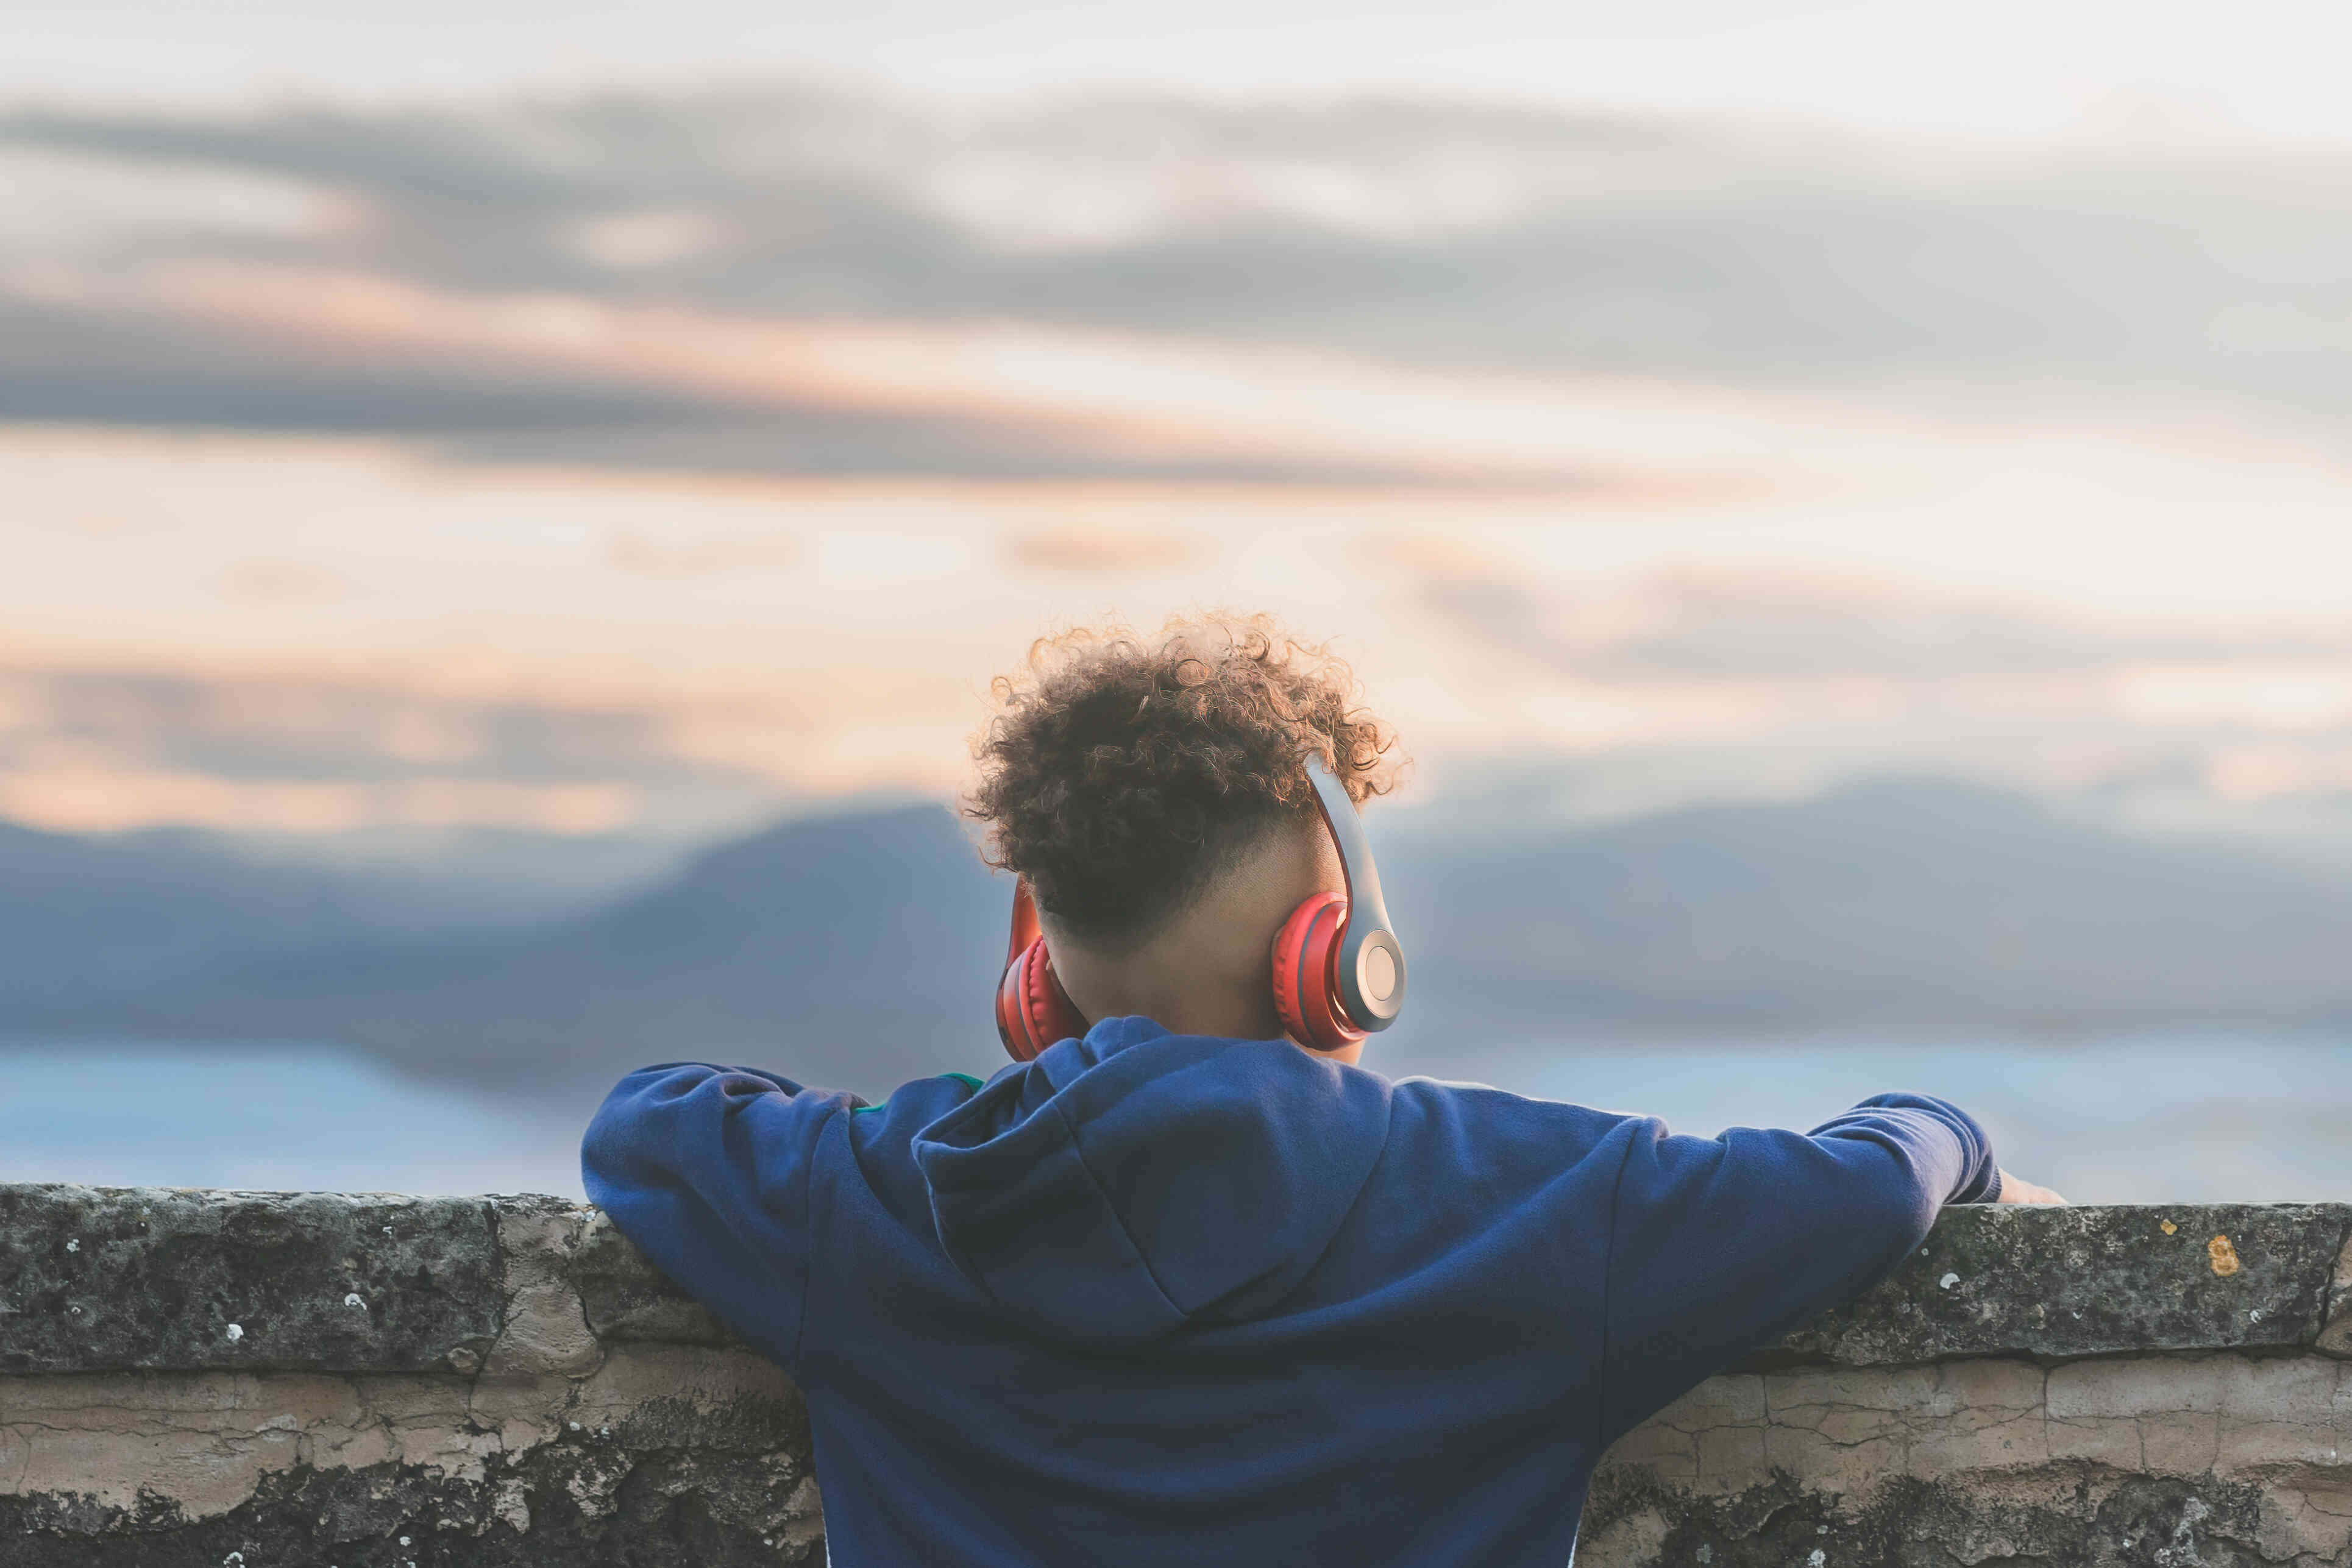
[{"x": 2012, "y": 1190}]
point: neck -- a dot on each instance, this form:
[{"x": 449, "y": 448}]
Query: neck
[
  {"x": 1110, "y": 989},
  {"x": 1206, "y": 968}
]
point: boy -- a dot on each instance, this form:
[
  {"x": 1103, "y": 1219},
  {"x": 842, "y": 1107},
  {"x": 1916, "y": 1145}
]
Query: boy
[{"x": 1190, "y": 1286}]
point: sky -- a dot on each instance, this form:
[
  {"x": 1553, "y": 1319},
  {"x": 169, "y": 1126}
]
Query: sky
[
  {"x": 431, "y": 416},
  {"x": 2005, "y": 68}
]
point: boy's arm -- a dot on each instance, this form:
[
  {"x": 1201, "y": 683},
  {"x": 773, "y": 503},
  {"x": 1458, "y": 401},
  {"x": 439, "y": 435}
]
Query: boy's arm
[
  {"x": 1720, "y": 1246},
  {"x": 708, "y": 1170}
]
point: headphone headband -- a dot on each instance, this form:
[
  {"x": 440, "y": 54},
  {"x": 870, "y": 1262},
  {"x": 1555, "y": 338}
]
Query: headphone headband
[{"x": 1368, "y": 968}]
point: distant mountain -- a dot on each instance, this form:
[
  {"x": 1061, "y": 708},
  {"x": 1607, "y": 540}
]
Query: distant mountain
[
  {"x": 85, "y": 921},
  {"x": 860, "y": 949},
  {"x": 1903, "y": 906},
  {"x": 88, "y": 919},
  {"x": 860, "y": 941}
]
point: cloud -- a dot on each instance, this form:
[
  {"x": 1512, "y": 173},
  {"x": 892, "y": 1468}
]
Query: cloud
[
  {"x": 1779, "y": 627},
  {"x": 288, "y": 727},
  {"x": 1559, "y": 317},
  {"x": 1098, "y": 552},
  {"x": 1785, "y": 628},
  {"x": 1682, "y": 684},
  {"x": 275, "y": 353},
  {"x": 1419, "y": 229},
  {"x": 97, "y": 749},
  {"x": 69, "y": 204},
  {"x": 143, "y": 366}
]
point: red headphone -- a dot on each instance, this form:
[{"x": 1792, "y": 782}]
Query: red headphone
[{"x": 1337, "y": 969}]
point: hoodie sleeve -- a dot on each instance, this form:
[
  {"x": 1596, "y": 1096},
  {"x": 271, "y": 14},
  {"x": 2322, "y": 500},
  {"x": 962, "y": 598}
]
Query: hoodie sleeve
[
  {"x": 1720, "y": 1246},
  {"x": 708, "y": 1169}
]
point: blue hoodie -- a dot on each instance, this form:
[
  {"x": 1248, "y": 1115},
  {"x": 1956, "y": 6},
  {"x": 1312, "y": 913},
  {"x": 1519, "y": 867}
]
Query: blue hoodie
[{"x": 1158, "y": 1299}]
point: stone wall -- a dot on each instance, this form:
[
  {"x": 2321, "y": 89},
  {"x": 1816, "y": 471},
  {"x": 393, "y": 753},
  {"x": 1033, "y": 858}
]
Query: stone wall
[
  {"x": 243, "y": 1380},
  {"x": 2080, "y": 1385}
]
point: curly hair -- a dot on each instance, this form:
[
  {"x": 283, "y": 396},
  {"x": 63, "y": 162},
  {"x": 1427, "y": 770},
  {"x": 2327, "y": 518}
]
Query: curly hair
[{"x": 1120, "y": 773}]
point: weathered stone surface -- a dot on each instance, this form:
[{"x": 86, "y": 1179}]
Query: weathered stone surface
[
  {"x": 2336, "y": 1333},
  {"x": 626, "y": 1298},
  {"x": 186, "y": 1279},
  {"x": 2165, "y": 1460},
  {"x": 113, "y": 1276},
  {"x": 543, "y": 1325},
  {"x": 2095, "y": 1282},
  {"x": 661, "y": 1457},
  {"x": 518, "y": 1385}
]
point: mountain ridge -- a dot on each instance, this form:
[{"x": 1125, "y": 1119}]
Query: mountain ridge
[{"x": 860, "y": 947}]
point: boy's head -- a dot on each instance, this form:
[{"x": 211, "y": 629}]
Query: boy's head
[{"x": 1152, "y": 793}]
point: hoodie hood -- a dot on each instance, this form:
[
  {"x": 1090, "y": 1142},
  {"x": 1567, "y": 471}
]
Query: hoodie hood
[{"x": 1124, "y": 1185}]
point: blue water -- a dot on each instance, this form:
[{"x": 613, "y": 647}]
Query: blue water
[
  {"x": 2149, "y": 1119},
  {"x": 162, "y": 1115},
  {"x": 2158, "y": 1119}
]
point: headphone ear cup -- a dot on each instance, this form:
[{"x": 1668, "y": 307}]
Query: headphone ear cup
[
  {"x": 1011, "y": 1016},
  {"x": 1033, "y": 1011},
  {"x": 1304, "y": 999}
]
